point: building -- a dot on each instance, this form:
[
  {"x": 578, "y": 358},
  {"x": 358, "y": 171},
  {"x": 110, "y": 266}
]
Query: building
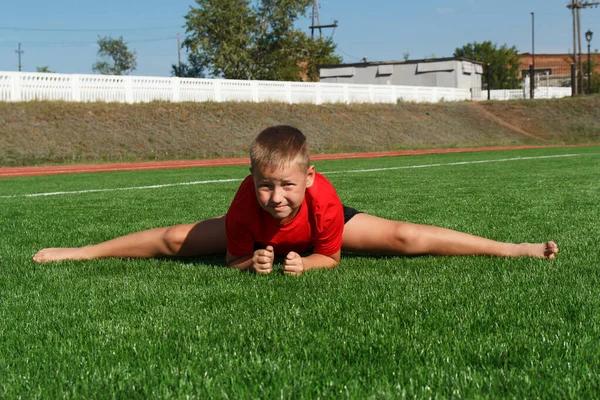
[
  {"x": 554, "y": 69},
  {"x": 439, "y": 72}
]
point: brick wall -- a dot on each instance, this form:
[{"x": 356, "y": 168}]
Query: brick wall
[{"x": 557, "y": 64}]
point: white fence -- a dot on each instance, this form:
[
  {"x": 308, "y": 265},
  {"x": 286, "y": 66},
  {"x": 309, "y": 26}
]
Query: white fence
[
  {"x": 547, "y": 92},
  {"x": 22, "y": 86}
]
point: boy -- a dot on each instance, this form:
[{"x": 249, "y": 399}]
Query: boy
[{"x": 285, "y": 208}]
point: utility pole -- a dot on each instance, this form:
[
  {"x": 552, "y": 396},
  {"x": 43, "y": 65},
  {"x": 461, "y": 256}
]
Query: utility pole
[
  {"x": 532, "y": 74},
  {"x": 579, "y": 44},
  {"x": 574, "y": 45},
  {"x": 533, "y": 39},
  {"x": 178, "y": 54},
  {"x": 315, "y": 12},
  {"x": 575, "y": 6},
  {"x": 19, "y": 52}
]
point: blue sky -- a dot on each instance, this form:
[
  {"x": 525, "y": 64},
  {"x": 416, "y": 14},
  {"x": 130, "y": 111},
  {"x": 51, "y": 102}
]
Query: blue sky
[{"x": 62, "y": 34}]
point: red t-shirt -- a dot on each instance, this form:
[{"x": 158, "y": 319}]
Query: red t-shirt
[{"x": 317, "y": 227}]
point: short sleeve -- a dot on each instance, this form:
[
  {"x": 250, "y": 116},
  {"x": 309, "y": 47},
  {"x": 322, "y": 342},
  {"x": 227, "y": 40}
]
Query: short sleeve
[
  {"x": 328, "y": 214},
  {"x": 239, "y": 221},
  {"x": 330, "y": 228}
]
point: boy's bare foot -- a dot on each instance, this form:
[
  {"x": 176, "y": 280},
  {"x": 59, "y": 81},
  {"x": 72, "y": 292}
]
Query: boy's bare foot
[
  {"x": 540, "y": 250},
  {"x": 58, "y": 254}
]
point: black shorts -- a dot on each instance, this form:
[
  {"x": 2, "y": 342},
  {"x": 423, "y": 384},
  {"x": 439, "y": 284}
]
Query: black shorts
[{"x": 349, "y": 213}]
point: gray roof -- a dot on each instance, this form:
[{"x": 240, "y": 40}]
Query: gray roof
[{"x": 376, "y": 63}]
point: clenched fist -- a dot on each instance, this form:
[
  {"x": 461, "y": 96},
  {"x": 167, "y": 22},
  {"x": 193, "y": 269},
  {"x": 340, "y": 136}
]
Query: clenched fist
[
  {"x": 262, "y": 260},
  {"x": 293, "y": 264}
]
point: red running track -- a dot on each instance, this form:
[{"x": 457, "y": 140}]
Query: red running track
[{"x": 136, "y": 166}]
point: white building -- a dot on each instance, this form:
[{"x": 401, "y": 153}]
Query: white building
[{"x": 439, "y": 72}]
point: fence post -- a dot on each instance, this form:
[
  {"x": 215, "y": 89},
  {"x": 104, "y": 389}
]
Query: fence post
[
  {"x": 394, "y": 95},
  {"x": 531, "y": 81},
  {"x": 16, "y": 87},
  {"x": 254, "y": 90},
  {"x": 318, "y": 100},
  {"x": 573, "y": 82},
  {"x": 489, "y": 80},
  {"x": 75, "y": 88},
  {"x": 217, "y": 87},
  {"x": 346, "y": 93},
  {"x": 288, "y": 92},
  {"x": 128, "y": 89},
  {"x": 176, "y": 87}
]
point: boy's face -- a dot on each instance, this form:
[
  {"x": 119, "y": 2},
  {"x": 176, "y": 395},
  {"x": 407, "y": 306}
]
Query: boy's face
[{"x": 280, "y": 192}]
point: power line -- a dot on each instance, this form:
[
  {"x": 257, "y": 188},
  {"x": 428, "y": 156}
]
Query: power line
[
  {"x": 79, "y": 43},
  {"x": 156, "y": 28},
  {"x": 348, "y": 55}
]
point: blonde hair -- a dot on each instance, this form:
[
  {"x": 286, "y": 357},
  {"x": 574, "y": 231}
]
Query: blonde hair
[{"x": 279, "y": 146}]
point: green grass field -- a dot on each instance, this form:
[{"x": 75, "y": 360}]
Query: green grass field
[{"x": 374, "y": 327}]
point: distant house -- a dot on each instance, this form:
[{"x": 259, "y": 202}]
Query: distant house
[{"x": 439, "y": 72}]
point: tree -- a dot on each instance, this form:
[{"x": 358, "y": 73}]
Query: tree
[
  {"x": 594, "y": 83},
  {"x": 318, "y": 52},
  {"x": 504, "y": 63},
  {"x": 118, "y": 60},
  {"x": 255, "y": 39},
  {"x": 193, "y": 69},
  {"x": 45, "y": 69}
]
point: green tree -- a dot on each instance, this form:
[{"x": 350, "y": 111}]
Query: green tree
[
  {"x": 118, "y": 60},
  {"x": 595, "y": 77},
  {"x": 319, "y": 52},
  {"x": 194, "y": 68},
  {"x": 255, "y": 39},
  {"x": 504, "y": 63},
  {"x": 45, "y": 69}
]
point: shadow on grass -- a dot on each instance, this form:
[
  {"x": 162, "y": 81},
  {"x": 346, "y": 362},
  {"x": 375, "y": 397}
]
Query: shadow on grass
[
  {"x": 214, "y": 260},
  {"x": 217, "y": 260}
]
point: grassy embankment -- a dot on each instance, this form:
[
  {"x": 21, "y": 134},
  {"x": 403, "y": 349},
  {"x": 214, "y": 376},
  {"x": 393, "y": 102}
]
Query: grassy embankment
[{"x": 58, "y": 132}]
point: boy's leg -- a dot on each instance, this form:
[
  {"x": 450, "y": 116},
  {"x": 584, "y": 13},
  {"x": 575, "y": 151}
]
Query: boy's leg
[
  {"x": 369, "y": 234},
  {"x": 202, "y": 238}
]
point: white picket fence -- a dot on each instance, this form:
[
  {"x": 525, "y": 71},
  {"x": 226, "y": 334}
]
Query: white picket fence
[
  {"x": 519, "y": 94},
  {"x": 23, "y": 86}
]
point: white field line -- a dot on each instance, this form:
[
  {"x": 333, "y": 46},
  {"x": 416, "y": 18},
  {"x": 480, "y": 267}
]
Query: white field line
[{"x": 324, "y": 173}]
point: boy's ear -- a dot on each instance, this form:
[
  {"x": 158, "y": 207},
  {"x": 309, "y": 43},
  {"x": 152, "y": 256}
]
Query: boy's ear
[{"x": 310, "y": 176}]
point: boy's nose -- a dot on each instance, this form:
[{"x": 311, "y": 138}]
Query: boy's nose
[{"x": 277, "y": 196}]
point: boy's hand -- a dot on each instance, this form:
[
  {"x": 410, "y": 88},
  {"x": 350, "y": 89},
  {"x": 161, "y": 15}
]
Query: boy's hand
[
  {"x": 262, "y": 260},
  {"x": 293, "y": 264}
]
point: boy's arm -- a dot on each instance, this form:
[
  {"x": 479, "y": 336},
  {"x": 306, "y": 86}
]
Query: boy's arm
[
  {"x": 260, "y": 262},
  {"x": 294, "y": 264}
]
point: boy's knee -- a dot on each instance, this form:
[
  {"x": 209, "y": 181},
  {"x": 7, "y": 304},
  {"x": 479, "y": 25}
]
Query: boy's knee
[
  {"x": 404, "y": 235},
  {"x": 174, "y": 237}
]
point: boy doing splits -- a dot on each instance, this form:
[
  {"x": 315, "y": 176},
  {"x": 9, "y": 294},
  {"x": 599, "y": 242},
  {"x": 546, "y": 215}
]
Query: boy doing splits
[{"x": 285, "y": 208}]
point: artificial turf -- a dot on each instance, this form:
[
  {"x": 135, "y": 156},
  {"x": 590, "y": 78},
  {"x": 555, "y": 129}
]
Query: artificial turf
[{"x": 373, "y": 327}]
